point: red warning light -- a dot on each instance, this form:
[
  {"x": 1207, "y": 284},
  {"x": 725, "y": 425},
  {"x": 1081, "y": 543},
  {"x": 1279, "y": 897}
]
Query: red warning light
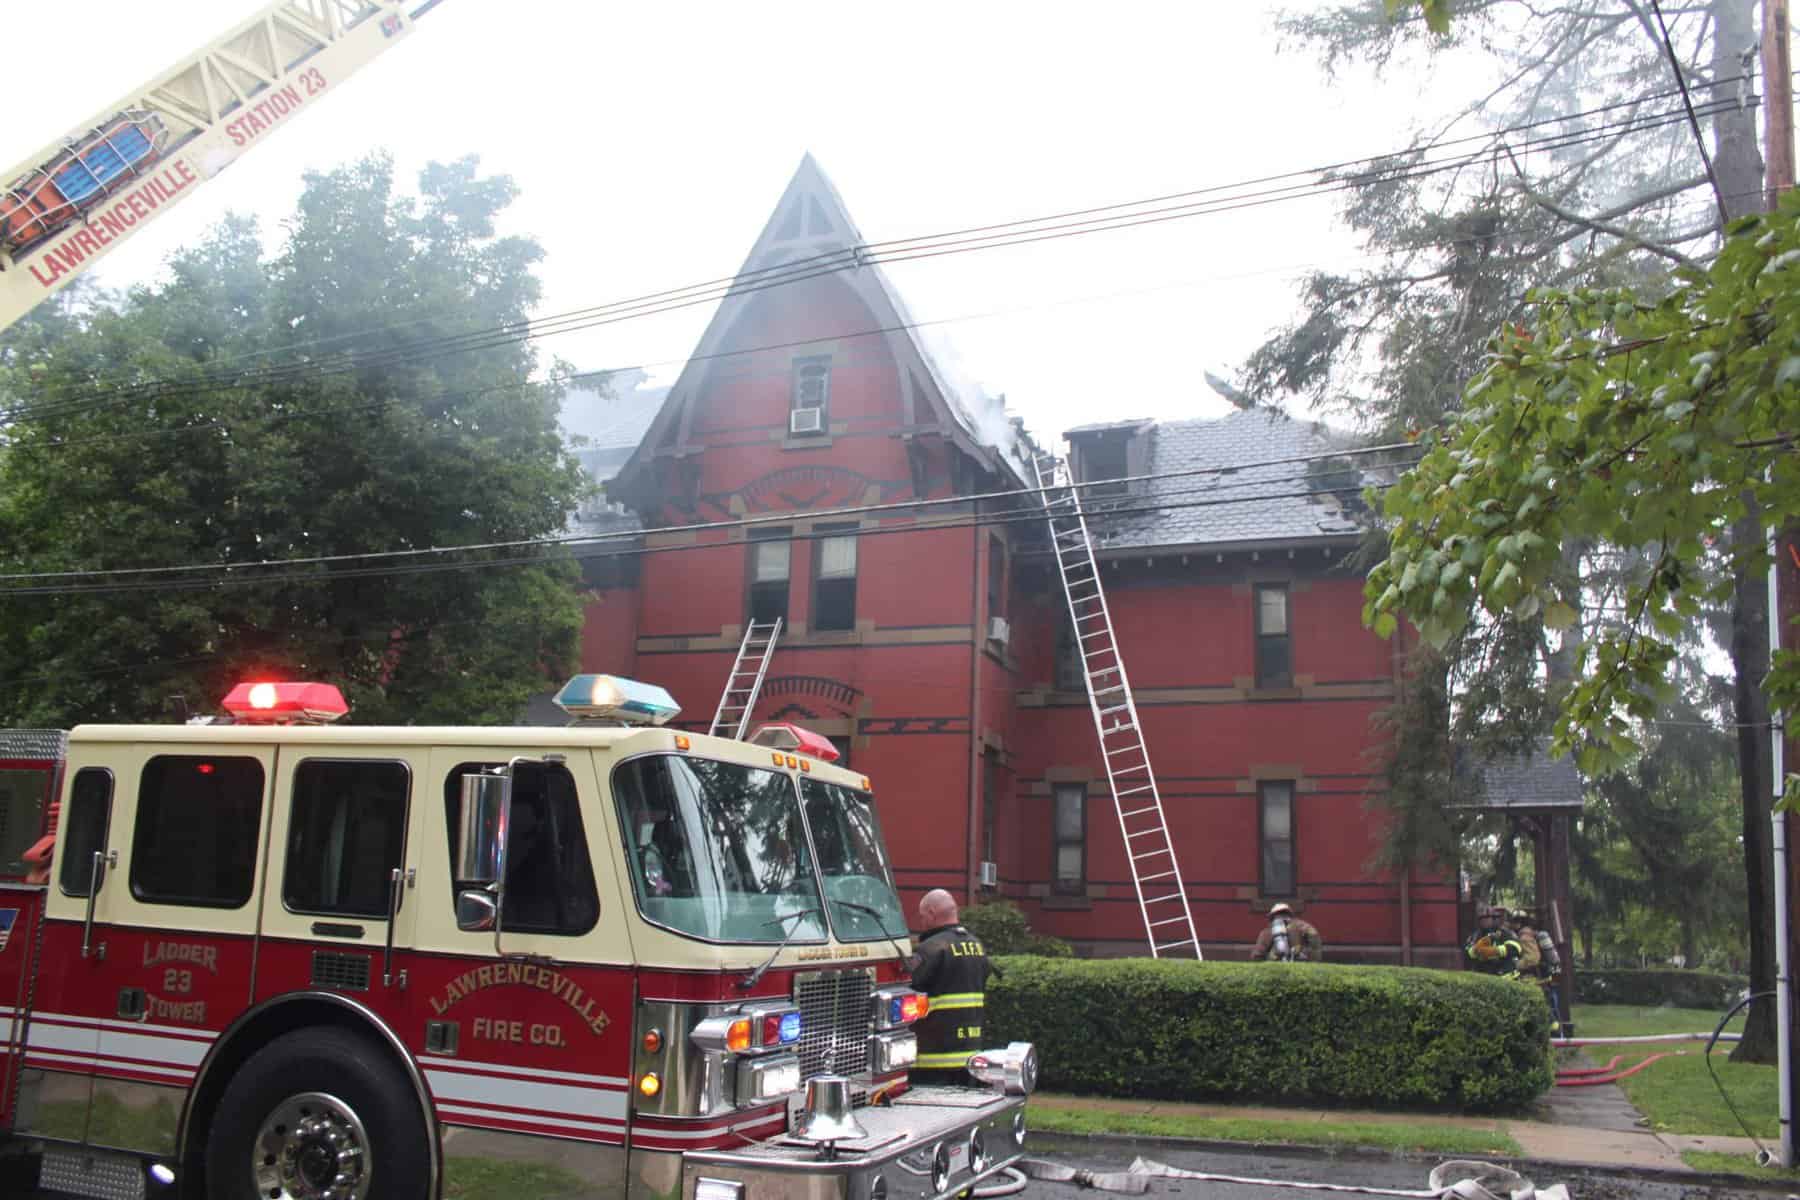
[
  {"x": 285, "y": 702},
  {"x": 204, "y": 768}
]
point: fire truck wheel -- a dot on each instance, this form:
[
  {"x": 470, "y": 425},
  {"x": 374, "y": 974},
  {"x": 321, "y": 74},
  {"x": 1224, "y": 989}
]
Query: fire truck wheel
[{"x": 318, "y": 1115}]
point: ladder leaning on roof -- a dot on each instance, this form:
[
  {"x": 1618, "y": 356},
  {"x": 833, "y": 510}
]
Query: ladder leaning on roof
[
  {"x": 746, "y": 679},
  {"x": 1162, "y": 899}
]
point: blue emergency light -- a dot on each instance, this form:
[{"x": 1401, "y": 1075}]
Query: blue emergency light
[
  {"x": 790, "y": 1028},
  {"x": 614, "y": 698}
]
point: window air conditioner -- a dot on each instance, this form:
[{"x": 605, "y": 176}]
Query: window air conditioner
[
  {"x": 806, "y": 420},
  {"x": 999, "y": 630},
  {"x": 990, "y": 874}
]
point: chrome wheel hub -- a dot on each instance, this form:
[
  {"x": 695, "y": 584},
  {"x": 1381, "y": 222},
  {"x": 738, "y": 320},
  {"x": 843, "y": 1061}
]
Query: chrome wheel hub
[{"x": 311, "y": 1147}]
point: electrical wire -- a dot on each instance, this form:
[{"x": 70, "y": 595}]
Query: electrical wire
[
  {"x": 1012, "y": 517},
  {"x": 1723, "y": 1094},
  {"x": 1072, "y": 224},
  {"x": 895, "y": 507}
]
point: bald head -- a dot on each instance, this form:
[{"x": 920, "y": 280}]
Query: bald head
[{"x": 937, "y": 907}]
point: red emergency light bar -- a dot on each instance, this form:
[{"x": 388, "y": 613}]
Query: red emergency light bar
[
  {"x": 782, "y": 735},
  {"x": 279, "y": 702}
]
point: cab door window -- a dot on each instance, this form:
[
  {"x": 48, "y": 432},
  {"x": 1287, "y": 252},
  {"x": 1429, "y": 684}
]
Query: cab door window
[
  {"x": 196, "y": 836},
  {"x": 549, "y": 876},
  {"x": 346, "y": 834},
  {"x": 84, "y": 828}
]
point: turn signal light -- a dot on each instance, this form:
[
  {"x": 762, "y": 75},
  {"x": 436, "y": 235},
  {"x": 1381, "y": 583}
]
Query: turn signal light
[
  {"x": 652, "y": 1041},
  {"x": 737, "y": 1037},
  {"x": 649, "y": 1083},
  {"x": 682, "y": 742},
  {"x": 909, "y": 1008}
]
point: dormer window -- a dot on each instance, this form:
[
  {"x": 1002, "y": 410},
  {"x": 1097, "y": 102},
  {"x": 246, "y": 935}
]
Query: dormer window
[
  {"x": 811, "y": 395},
  {"x": 1104, "y": 459},
  {"x": 1103, "y": 455}
]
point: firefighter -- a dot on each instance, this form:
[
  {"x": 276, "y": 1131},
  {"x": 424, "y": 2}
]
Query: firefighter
[
  {"x": 1493, "y": 948},
  {"x": 1543, "y": 967},
  {"x": 1286, "y": 938},
  {"x": 952, "y": 968}
]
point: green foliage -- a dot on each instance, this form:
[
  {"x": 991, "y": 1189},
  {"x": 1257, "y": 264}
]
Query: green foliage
[
  {"x": 1002, "y": 928},
  {"x": 1306, "y": 1032},
  {"x": 1649, "y": 426},
  {"x": 1712, "y": 991},
  {"x": 249, "y": 409}
]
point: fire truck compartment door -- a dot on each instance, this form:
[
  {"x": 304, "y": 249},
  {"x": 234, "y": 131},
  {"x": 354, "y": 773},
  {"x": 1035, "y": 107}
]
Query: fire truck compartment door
[{"x": 341, "y": 899}]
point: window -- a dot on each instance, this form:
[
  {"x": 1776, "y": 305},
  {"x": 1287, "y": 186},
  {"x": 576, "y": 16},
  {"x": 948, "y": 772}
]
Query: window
[
  {"x": 23, "y": 794},
  {"x": 549, "y": 876},
  {"x": 1274, "y": 653},
  {"x": 84, "y": 828},
  {"x": 847, "y": 835},
  {"x": 770, "y": 552},
  {"x": 718, "y": 850},
  {"x": 197, "y": 820},
  {"x": 1104, "y": 458},
  {"x": 1068, "y": 868},
  {"x": 996, "y": 580},
  {"x": 812, "y": 394},
  {"x": 1277, "y": 833},
  {"x": 834, "y": 582},
  {"x": 346, "y": 835},
  {"x": 1069, "y": 674}
]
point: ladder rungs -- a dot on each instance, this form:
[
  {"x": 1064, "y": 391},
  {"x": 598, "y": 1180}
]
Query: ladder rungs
[
  {"x": 1134, "y": 791},
  {"x": 1172, "y": 945},
  {"x": 1136, "y": 812},
  {"x": 1169, "y": 921},
  {"x": 1163, "y": 875},
  {"x": 1152, "y": 854},
  {"x": 1160, "y": 899},
  {"x": 1117, "y": 708},
  {"x": 1106, "y": 691},
  {"x": 1144, "y": 832},
  {"x": 1121, "y": 750}
]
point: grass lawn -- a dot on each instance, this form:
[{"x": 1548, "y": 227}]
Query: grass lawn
[
  {"x": 1676, "y": 1093},
  {"x": 470, "y": 1178},
  {"x": 1438, "y": 1139},
  {"x": 1736, "y": 1164}
]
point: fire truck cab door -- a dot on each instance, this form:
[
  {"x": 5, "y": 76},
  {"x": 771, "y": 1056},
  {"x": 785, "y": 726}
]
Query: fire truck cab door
[
  {"x": 338, "y": 907},
  {"x": 129, "y": 1002}
]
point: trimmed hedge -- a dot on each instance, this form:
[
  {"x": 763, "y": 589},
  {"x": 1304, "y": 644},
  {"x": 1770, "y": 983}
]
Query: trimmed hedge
[
  {"x": 1306, "y": 1032},
  {"x": 1651, "y": 989}
]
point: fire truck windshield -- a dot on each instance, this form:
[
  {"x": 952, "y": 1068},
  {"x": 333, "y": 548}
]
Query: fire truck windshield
[
  {"x": 848, "y": 838},
  {"x": 717, "y": 850}
]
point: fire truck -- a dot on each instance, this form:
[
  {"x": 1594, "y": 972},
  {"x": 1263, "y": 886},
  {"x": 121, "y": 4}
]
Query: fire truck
[{"x": 269, "y": 955}]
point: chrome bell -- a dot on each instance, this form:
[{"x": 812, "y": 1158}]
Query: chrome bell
[{"x": 827, "y": 1117}]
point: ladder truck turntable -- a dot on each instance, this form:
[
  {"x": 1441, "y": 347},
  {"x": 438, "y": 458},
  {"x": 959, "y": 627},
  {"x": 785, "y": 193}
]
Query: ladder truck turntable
[{"x": 267, "y": 955}]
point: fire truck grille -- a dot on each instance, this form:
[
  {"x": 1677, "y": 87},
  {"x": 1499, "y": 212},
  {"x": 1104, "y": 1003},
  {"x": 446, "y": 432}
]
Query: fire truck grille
[{"x": 834, "y": 1022}]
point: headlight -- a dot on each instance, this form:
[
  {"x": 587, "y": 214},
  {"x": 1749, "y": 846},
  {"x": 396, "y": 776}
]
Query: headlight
[
  {"x": 767, "y": 1077},
  {"x": 892, "y": 1051},
  {"x": 1014, "y": 1068}
]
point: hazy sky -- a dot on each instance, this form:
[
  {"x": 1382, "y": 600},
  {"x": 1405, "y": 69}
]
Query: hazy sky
[{"x": 650, "y": 142}]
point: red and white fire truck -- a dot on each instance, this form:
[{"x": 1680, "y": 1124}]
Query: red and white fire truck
[{"x": 272, "y": 956}]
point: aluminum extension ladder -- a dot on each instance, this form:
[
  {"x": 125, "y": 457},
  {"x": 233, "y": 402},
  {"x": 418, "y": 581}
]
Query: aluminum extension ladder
[
  {"x": 746, "y": 679},
  {"x": 1162, "y": 900}
]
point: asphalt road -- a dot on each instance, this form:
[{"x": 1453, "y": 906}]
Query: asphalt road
[{"x": 1357, "y": 1170}]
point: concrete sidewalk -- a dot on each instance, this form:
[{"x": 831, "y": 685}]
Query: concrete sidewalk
[{"x": 1544, "y": 1141}]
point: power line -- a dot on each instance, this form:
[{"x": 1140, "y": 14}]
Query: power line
[
  {"x": 898, "y": 507},
  {"x": 344, "y": 368},
  {"x": 1074, "y": 223}
]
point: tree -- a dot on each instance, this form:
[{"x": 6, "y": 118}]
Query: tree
[
  {"x": 1657, "y": 426},
  {"x": 245, "y": 409},
  {"x": 1592, "y": 179}
]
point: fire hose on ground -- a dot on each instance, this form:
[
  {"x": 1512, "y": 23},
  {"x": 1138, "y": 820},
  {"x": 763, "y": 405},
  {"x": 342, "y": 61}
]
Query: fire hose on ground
[{"x": 1457, "y": 1179}]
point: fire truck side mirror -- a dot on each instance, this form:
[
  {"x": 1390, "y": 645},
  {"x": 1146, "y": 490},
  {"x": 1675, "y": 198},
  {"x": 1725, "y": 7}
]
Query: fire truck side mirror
[
  {"x": 486, "y": 810},
  {"x": 475, "y": 910}
]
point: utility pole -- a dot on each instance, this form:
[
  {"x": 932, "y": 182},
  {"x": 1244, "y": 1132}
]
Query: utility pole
[{"x": 1784, "y": 572}]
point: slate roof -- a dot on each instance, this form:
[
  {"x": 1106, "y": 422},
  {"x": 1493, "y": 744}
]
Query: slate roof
[
  {"x": 1533, "y": 780},
  {"x": 1270, "y": 510}
]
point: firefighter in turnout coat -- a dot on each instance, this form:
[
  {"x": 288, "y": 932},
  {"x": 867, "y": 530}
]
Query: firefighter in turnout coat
[{"x": 952, "y": 968}]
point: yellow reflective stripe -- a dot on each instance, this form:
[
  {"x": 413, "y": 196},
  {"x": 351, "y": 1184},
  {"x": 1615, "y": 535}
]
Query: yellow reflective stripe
[
  {"x": 959, "y": 1058},
  {"x": 958, "y": 1000}
]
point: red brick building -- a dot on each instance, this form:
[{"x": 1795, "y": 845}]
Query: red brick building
[{"x": 938, "y": 659}]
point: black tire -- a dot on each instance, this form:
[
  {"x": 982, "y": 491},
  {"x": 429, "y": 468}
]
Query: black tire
[{"x": 358, "y": 1086}]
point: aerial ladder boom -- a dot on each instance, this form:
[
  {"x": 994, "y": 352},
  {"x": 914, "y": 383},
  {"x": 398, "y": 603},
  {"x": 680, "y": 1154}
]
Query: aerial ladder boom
[{"x": 73, "y": 202}]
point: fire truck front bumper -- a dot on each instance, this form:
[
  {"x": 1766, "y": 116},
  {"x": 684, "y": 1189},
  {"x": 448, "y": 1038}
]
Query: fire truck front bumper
[{"x": 930, "y": 1143}]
